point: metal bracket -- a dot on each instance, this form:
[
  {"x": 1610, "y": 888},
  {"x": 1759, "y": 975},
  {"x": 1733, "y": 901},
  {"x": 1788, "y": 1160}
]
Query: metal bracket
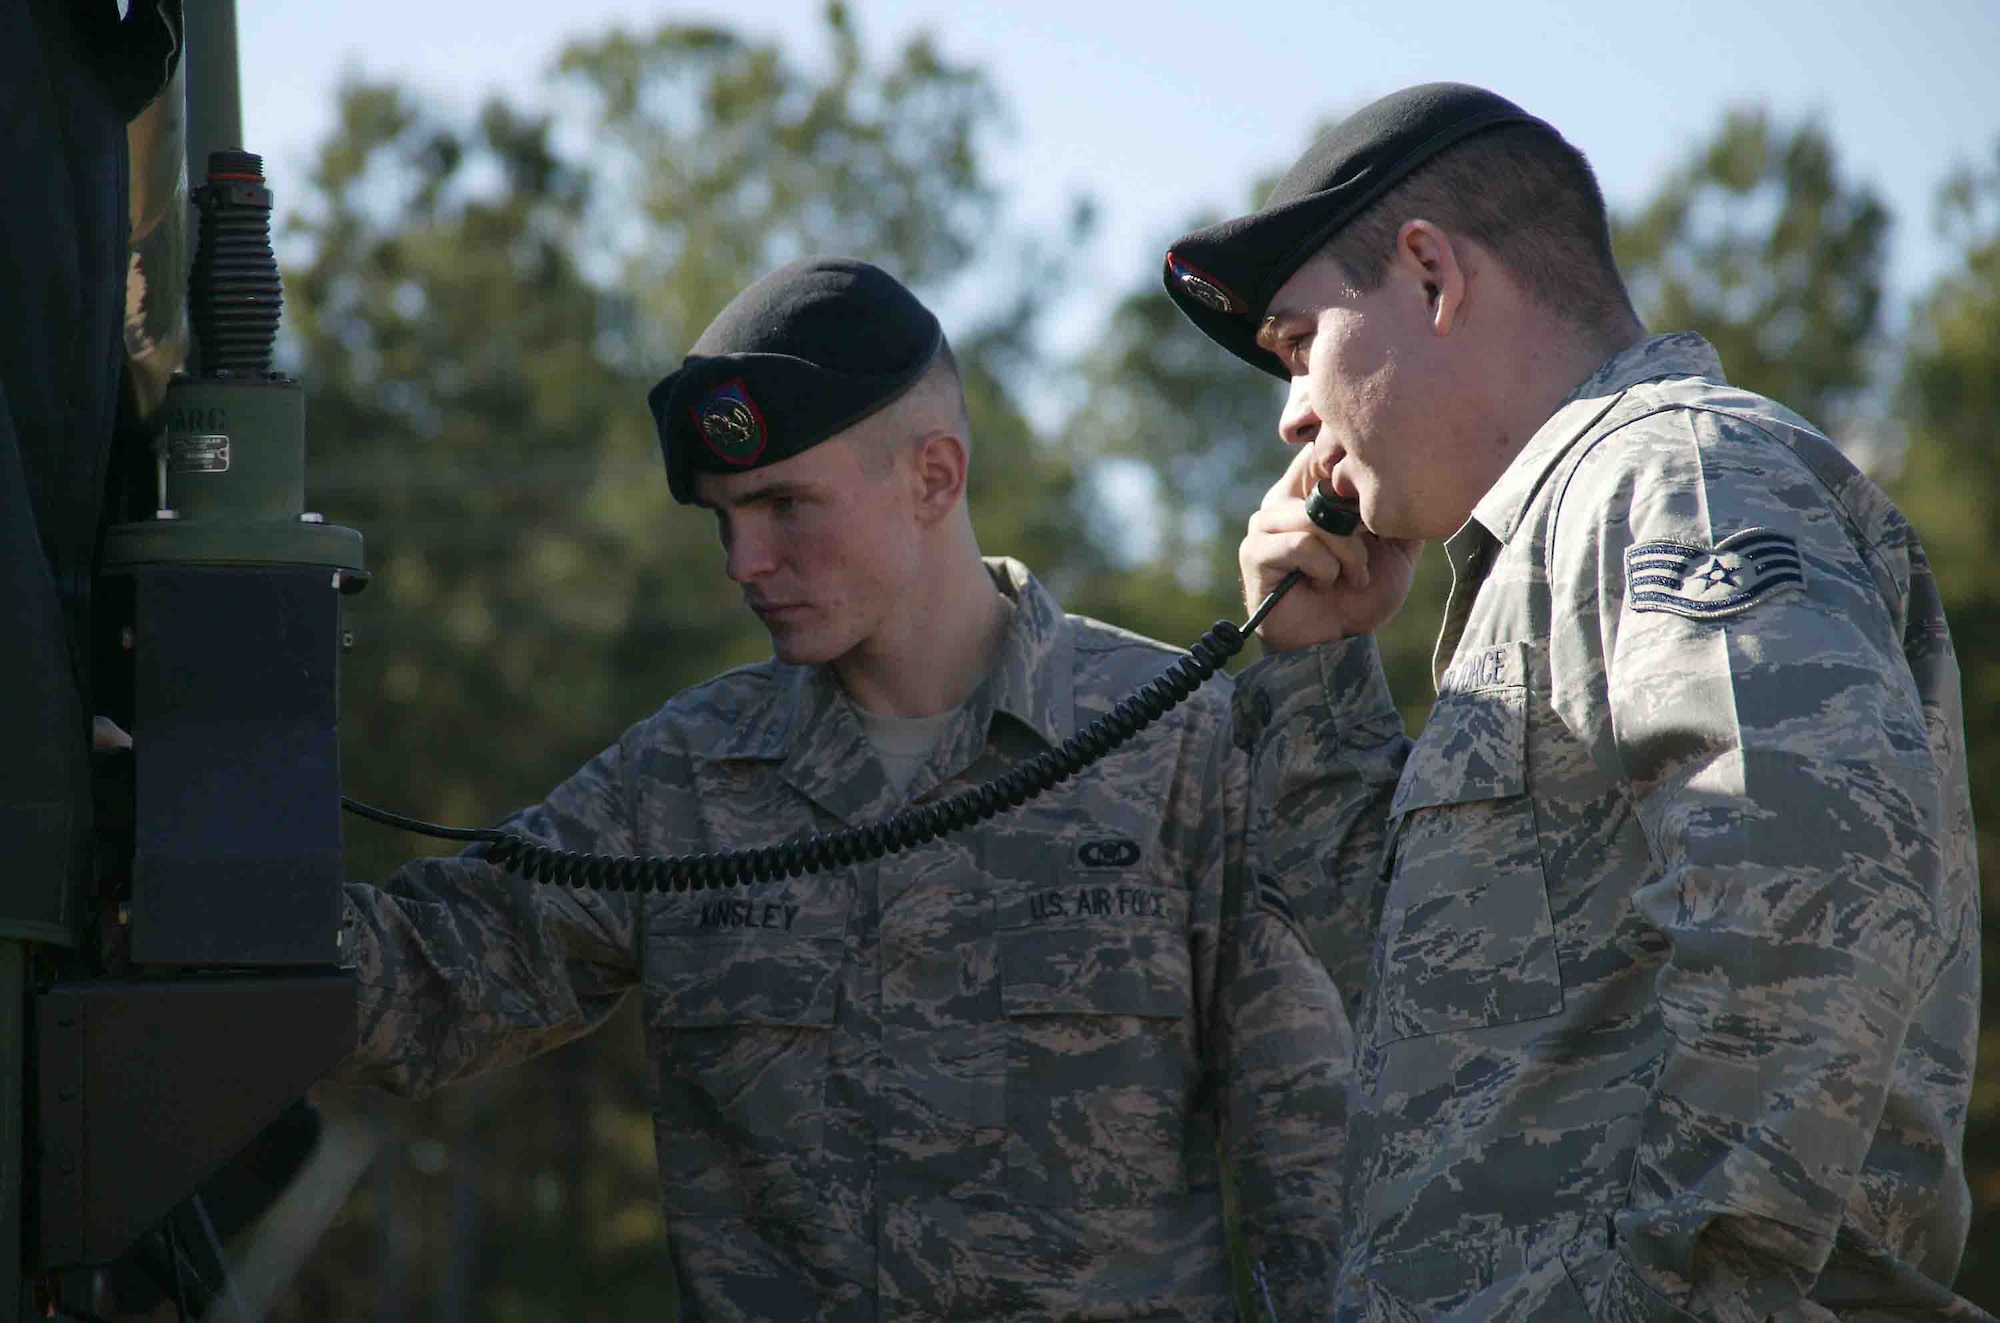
[{"x": 147, "y": 1086}]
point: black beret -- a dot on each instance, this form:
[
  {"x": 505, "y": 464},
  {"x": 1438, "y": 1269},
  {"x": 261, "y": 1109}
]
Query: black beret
[
  {"x": 1223, "y": 277},
  {"x": 804, "y": 353}
]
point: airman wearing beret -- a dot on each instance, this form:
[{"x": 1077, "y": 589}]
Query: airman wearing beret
[
  {"x": 1670, "y": 915},
  {"x": 981, "y": 1079}
]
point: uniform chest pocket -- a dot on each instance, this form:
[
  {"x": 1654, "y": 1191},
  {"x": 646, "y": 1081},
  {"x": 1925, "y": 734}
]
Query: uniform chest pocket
[
  {"x": 740, "y": 1009},
  {"x": 1467, "y": 941},
  {"x": 1102, "y": 1074}
]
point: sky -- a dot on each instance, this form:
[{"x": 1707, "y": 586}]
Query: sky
[{"x": 1162, "y": 110}]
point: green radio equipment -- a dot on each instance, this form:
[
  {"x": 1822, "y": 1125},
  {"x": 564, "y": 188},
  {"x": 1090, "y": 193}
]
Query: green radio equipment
[
  {"x": 236, "y": 632},
  {"x": 220, "y": 999}
]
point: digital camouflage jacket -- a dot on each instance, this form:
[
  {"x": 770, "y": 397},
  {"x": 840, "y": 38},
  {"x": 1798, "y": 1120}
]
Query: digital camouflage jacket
[
  {"x": 1670, "y": 926},
  {"x": 981, "y": 1079}
]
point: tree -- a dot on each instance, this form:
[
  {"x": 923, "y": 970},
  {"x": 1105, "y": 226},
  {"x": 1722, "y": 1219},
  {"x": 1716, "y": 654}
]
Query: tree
[
  {"x": 1951, "y": 403},
  {"x": 1758, "y": 243}
]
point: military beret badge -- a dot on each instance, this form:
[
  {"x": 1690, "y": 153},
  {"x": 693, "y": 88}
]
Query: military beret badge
[
  {"x": 730, "y": 422},
  {"x": 1204, "y": 288}
]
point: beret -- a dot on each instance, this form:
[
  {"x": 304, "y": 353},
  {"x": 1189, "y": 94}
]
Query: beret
[
  {"x": 1223, "y": 277},
  {"x": 802, "y": 354}
]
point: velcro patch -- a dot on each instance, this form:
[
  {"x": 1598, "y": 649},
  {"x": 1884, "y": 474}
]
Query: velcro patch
[{"x": 1707, "y": 583}]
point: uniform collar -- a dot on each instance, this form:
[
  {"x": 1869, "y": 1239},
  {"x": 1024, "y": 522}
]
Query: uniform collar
[
  {"x": 1033, "y": 675},
  {"x": 818, "y": 736},
  {"x": 1683, "y": 354}
]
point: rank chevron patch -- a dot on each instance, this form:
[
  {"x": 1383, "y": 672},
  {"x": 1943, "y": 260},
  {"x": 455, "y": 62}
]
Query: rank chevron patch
[
  {"x": 1705, "y": 583},
  {"x": 1271, "y": 896}
]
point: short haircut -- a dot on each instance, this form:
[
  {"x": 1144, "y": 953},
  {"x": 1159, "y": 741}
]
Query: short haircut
[
  {"x": 936, "y": 400},
  {"x": 944, "y": 370},
  {"x": 1521, "y": 193}
]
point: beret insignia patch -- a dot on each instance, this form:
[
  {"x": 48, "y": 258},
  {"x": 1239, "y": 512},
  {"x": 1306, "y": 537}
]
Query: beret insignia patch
[
  {"x": 1708, "y": 583},
  {"x": 1204, "y": 288},
  {"x": 730, "y": 422}
]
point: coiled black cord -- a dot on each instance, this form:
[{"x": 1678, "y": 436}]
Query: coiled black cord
[{"x": 852, "y": 845}]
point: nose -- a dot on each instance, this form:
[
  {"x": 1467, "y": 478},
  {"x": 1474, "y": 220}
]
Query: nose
[
  {"x": 1298, "y": 425},
  {"x": 749, "y": 551}
]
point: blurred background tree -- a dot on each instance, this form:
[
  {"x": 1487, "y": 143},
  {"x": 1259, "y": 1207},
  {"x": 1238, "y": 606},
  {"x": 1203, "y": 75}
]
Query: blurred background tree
[
  {"x": 1950, "y": 486},
  {"x": 1759, "y": 244},
  {"x": 482, "y": 305}
]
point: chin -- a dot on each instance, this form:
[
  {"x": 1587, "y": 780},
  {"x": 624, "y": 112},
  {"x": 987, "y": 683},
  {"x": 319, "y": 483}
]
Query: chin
[
  {"x": 1400, "y": 521},
  {"x": 800, "y": 652},
  {"x": 807, "y": 647},
  {"x": 1382, "y": 520}
]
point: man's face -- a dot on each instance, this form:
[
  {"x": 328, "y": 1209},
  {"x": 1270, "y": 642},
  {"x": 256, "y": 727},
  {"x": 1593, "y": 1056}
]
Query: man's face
[
  {"x": 821, "y": 544},
  {"x": 1373, "y": 394}
]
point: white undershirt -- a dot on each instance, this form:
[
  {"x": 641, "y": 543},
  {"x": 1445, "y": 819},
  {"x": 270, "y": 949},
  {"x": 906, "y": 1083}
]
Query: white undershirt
[{"x": 905, "y": 744}]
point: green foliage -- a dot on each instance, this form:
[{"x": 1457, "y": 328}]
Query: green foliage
[
  {"x": 721, "y": 159},
  {"x": 1951, "y": 488},
  {"x": 459, "y": 416},
  {"x": 1204, "y": 425},
  {"x": 1758, "y": 243}
]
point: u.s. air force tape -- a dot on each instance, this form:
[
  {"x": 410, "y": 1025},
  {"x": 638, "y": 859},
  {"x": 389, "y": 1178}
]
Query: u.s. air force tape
[{"x": 1711, "y": 582}]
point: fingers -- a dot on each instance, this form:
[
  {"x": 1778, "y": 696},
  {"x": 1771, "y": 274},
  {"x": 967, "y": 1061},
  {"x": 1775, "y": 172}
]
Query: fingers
[
  {"x": 1294, "y": 483},
  {"x": 1274, "y": 555},
  {"x": 1335, "y": 569},
  {"x": 1288, "y": 520}
]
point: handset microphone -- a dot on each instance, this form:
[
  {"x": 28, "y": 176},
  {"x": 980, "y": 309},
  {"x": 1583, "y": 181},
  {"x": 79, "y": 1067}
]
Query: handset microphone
[{"x": 1329, "y": 512}]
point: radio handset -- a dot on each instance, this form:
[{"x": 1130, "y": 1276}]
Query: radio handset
[
  {"x": 1336, "y": 516},
  {"x": 911, "y": 827}
]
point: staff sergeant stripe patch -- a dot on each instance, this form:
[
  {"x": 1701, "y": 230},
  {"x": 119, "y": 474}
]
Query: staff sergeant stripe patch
[{"x": 1707, "y": 583}]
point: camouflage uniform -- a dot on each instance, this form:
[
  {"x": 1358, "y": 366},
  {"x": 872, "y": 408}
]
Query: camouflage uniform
[
  {"x": 1672, "y": 1000},
  {"x": 981, "y": 1079}
]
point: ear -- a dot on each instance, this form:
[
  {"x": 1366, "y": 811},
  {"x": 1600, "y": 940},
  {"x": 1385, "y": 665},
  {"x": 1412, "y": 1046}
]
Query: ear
[
  {"x": 1428, "y": 257},
  {"x": 939, "y": 464}
]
